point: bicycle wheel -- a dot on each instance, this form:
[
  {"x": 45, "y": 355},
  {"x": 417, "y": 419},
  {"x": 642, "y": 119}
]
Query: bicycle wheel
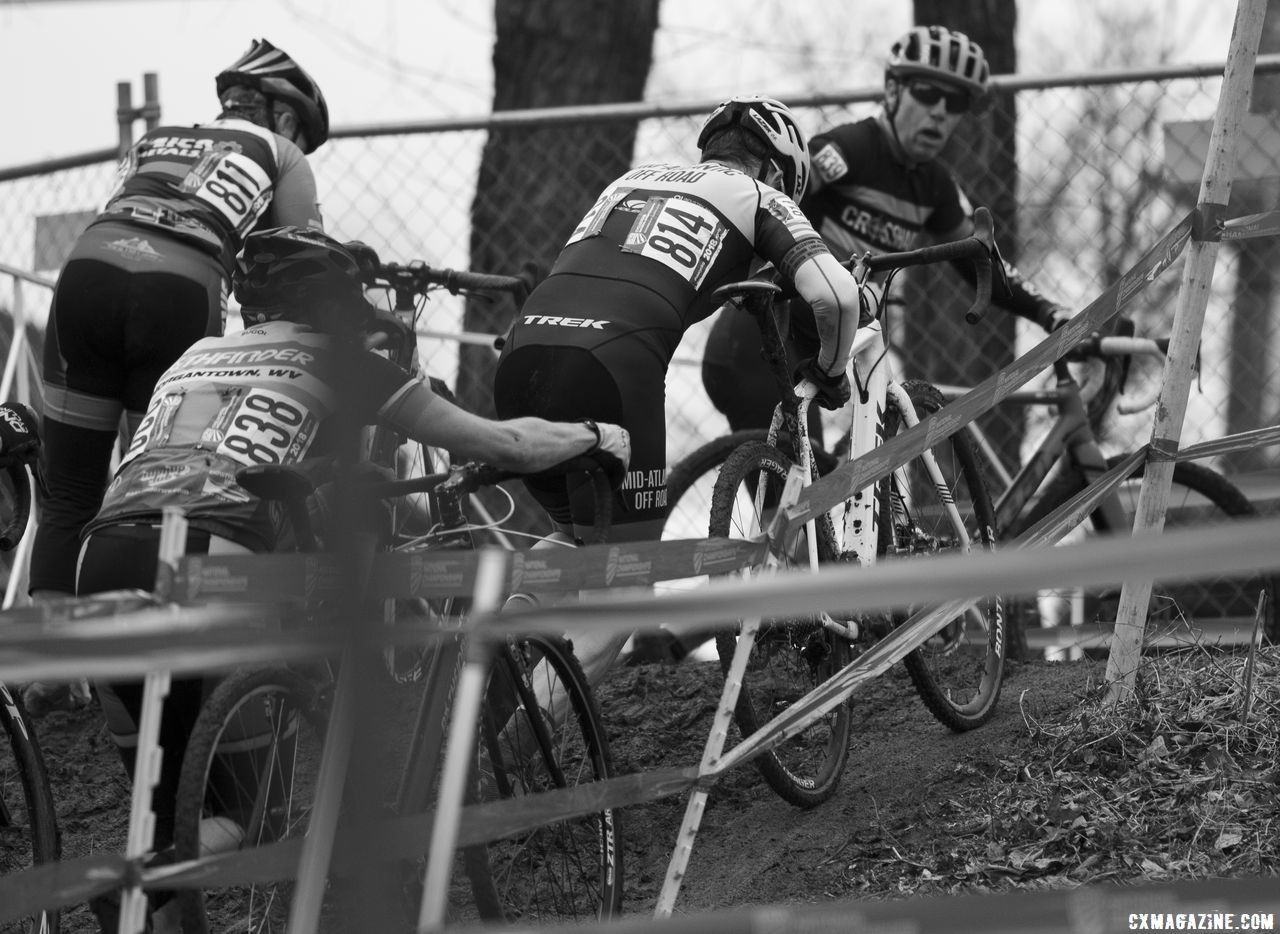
[
  {"x": 958, "y": 672},
  {"x": 28, "y": 823},
  {"x": 539, "y": 733},
  {"x": 692, "y": 480},
  {"x": 248, "y": 779},
  {"x": 1199, "y": 497},
  {"x": 791, "y": 655}
]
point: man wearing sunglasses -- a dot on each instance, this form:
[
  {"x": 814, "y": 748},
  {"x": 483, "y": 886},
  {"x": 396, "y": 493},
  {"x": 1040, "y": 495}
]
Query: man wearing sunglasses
[{"x": 877, "y": 185}]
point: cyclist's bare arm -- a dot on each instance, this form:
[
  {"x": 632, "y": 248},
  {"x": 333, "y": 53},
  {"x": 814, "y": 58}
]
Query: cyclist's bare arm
[{"x": 524, "y": 445}]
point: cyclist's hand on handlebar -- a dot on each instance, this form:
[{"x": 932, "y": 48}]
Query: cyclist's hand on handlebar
[
  {"x": 834, "y": 392},
  {"x": 365, "y": 256},
  {"x": 19, "y": 434},
  {"x": 612, "y": 450},
  {"x": 1056, "y": 317},
  {"x": 531, "y": 273}
]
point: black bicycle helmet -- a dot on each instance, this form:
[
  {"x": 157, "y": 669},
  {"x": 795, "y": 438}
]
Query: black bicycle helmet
[
  {"x": 279, "y": 77},
  {"x": 773, "y": 124},
  {"x": 943, "y": 54},
  {"x": 282, "y": 269}
]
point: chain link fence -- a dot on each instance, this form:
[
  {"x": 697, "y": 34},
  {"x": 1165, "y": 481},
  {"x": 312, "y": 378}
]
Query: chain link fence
[{"x": 1097, "y": 183}]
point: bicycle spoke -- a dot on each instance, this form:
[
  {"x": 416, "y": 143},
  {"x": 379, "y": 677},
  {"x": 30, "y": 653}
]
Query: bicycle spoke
[
  {"x": 791, "y": 655},
  {"x": 941, "y": 506}
]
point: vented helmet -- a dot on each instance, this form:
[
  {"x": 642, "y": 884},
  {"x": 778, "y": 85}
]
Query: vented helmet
[
  {"x": 280, "y": 269},
  {"x": 941, "y": 53},
  {"x": 773, "y": 124},
  {"x": 279, "y": 77}
]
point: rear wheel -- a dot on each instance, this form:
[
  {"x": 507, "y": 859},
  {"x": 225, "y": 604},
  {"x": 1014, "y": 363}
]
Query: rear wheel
[
  {"x": 791, "y": 656},
  {"x": 28, "y": 823},
  {"x": 958, "y": 672},
  {"x": 541, "y": 730},
  {"x": 1199, "y": 497}
]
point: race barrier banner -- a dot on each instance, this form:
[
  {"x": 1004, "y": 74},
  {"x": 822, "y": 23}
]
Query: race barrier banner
[
  {"x": 1231, "y": 444},
  {"x": 1101, "y": 908},
  {"x": 834, "y": 488},
  {"x": 132, "y": 644},
  {"x": 444, "y": 572},
  {"x": 1266, "y": 224}
]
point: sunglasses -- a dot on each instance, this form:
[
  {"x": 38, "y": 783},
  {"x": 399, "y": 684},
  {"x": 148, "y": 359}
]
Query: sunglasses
[{"x": 958, "y": 102}]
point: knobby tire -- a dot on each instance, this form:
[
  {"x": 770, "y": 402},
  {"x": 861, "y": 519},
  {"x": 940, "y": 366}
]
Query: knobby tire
[
  {"x": 28, "y": 821},
  {"x": 791, "y": 656},
  {"x": 958, "y": 673}
]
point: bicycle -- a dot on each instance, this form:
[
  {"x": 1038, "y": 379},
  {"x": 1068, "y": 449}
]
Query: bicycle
[
  {"x": 935, "y": 503},
  {"x": 526, "y": 748},
  {"x": 1068, "y": 458},
  {"x": 29, "y": 833}
]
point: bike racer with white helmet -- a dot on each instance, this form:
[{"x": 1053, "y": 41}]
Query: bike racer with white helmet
[{"x": 878, "y": 186}]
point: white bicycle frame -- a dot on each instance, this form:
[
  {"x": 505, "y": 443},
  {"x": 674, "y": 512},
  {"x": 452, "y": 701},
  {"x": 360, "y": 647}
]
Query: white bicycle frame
[{"x": 857, "y": 520}]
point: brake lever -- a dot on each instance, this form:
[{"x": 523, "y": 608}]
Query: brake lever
[{"x": 984, "y": 231}]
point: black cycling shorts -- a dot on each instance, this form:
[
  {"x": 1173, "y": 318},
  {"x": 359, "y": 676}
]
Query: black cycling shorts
[
  {"x": 617, "y": 382},
  {"x": 127, "y": 303}
]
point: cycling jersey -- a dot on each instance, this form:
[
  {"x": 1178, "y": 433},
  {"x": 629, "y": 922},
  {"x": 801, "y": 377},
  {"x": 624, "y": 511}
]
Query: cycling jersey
[
  {"x": 596, "y": 336},
  {"x": 212, "y": 184},
  {"x": 872, "y": 199},
  {"x": 268, "y": 395},
  {"x": 868, "y": 197}
]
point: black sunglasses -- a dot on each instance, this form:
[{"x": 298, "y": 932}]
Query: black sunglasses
[{"x": 958, "y": 102}]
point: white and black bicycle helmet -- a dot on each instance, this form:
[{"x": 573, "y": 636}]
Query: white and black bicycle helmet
[
  {"x": 773, "y": 124},
  {"x": 279, "y": 77},
  {"x": 943, "y": 54}
]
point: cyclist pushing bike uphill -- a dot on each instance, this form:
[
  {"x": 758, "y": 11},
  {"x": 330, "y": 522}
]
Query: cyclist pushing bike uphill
[{"x": 283, "y": 391}]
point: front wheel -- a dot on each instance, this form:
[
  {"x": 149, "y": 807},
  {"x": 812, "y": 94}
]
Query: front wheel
[
  {"x": 28, "y": 824},
  {"x": 248, "y": 779},
  {"x": 792, "y": 655},
  {"x": 938, "y": 503},
  {"x": 541, "y": 730}
]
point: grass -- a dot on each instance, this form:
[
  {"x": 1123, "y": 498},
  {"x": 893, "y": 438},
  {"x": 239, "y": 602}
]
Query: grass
[{"x": 1181, "y": 781}]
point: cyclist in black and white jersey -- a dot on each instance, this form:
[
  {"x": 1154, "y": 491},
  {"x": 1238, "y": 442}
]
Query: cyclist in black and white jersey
[
  {"x": 596, "y": 336},
  {"x": 151, "y": 275},
  {"x": 878, "y": 185}
]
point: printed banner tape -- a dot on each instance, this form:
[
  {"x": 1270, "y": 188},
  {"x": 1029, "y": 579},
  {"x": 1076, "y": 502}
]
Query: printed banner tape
[
  {"x": 833, "y": 488},
  {"x": 1239, "y": 547}
]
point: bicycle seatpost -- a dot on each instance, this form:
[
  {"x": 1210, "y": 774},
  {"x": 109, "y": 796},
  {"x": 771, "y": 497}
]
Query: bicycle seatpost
[{"x": 286, "y": 485}]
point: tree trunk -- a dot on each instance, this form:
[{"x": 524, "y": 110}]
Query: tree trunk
[
  {"x": 537, "y": 181},
  {"x": 940, "y": 347}
]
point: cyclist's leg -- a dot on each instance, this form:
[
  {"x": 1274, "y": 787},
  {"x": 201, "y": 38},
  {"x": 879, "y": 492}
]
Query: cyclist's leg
[
  {"x": 567, "y": 383},
  {"x": 115, "y": 558},
  {"x": 124, "y": 557},
  {"x": 734, "y": 374},
  {"x": 116, "y": 324}
]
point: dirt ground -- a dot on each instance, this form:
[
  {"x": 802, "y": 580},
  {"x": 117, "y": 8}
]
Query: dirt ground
[{"x": 753, "y": 848}]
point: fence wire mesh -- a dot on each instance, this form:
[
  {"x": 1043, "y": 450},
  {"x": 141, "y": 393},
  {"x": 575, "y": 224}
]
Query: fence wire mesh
[{"x": 1093, "y": 189}]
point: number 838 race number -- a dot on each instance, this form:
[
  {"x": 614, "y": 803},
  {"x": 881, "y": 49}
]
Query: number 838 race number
[{"x": 264, "y": 430}]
